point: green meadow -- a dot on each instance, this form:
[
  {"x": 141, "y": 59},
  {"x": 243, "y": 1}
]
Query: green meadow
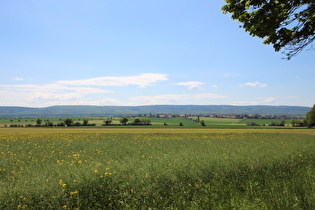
[
  {"x": 156, "y": 122},
  {"x": 157, "y": 168}
]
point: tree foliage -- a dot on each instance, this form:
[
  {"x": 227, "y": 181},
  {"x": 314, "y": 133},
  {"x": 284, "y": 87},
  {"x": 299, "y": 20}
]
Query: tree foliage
[
  {"x": 68, "y": 121},
  {"x": 108, "y": 121},
  {"x": 39, "y": 121},
  {"x": 124, "y": 120},
  {"x": 137, "y": 121},
  {"x": 202, "y": 122},
  {"x": 310, "y": 117},
  {"x": 289, "y": 25},
  {"x": 85, "y": 122}
]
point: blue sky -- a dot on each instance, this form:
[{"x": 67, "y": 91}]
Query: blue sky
[{"x": 122, "y": 52}]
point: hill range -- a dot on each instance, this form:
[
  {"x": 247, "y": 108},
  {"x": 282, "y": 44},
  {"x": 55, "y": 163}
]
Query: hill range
[{"x": 82, "y": 110}]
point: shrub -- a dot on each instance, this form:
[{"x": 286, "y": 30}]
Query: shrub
[
  {"x": 77, "y": 124},
  {"x": 68, "y": 121},
  {"x": 61, "y": 124}
]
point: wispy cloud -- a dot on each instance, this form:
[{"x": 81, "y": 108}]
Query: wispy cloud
[
  {"x": 173, "y": 98},
  {"x": 52, "y": 88},
  {"x": 254, "y": 84},
  {"x": 244, "y": 103},
  {"x": 18, "y": 79},
  {"x": 214, "y": 86},
  {"x": 48, "y": 95},
  {"x": 73, "y": 92},
  {"x": 142, "y": 80},
  {"x": 231, "y": 75},
  {"x": 269, "y": 99},
  {"x": 192, "y": 85}
]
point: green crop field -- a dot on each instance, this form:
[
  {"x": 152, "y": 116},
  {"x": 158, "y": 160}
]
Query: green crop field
[
  {"x": 156, "y": 122},
  {"x": 161, "y": 168},
  {"x": 264, "y": 121}
]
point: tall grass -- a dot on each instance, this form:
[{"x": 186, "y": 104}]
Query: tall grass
[{"x": 158, "y": 170}]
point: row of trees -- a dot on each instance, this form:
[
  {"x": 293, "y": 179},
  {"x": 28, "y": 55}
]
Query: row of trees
[
  {"x": 70, "y": 122},
  {"x": 125, "y": 120},
  {"x": 280, "y": 123},
  {"x": 66, "y": 122},
  {"x": 308, "y": 121}
]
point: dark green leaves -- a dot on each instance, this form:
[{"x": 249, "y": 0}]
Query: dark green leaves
[{"x": 289, "y": 25}]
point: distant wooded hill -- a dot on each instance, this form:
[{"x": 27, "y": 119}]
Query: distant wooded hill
[{"x": 78, "y": 110}]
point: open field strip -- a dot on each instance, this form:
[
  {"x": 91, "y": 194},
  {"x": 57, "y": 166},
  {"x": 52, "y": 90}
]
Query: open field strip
[
  {"x": 155, "y": 130},
  {"x": 190, "y": 122},
  {"x": 69, "y": 168}
]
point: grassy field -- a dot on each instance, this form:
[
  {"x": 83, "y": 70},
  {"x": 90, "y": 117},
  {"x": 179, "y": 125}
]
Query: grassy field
[
  {"x": 156, "y": 122},
  {"x": 264, "y": 121},
  {"x": 77, "y": 168}
]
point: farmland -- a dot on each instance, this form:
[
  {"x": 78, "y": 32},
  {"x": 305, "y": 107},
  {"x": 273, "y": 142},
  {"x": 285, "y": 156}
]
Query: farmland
[
  {"x": 156, "y": 122},
  {"x": 157, "y": 168}
]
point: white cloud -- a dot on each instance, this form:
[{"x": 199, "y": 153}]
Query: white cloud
[
  {"x": 244, "y": 103},
  {"x": 109, "y": 101},
  {"x": 44, "y": 99},
  {"x": 231, "y": 75},
  {"x": 18, "y": 79},
  {"x": 53, "y": 96},
  {"x": 269, "y": 99},
  {"x": 171, "y": 98},
  {"x": 86, "y": 90},
  {"x": 52, "y": 88},
  {"x": 214, "y": 86},
  {"x": 47, "y": 95},
  {"x": 32, "y": 88},
  {"x": 142, "y": 80},
  {"x": 256, "y": 101},
  {"x": 254, "y": 84},
  {"x": 192, "y": 85}
]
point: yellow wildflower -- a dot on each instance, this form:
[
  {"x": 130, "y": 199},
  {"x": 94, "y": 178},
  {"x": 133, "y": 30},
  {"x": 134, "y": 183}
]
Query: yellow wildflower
[{"x": 73, "y": 193}]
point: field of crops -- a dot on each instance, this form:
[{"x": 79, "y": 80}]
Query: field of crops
[
  {"x": 73, "y": 168},
  {"x": 155, "y": 122}
]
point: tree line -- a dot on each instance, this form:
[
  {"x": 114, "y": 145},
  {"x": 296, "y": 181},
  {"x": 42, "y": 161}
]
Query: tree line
[
  {"x": 70, "y": 122},
  {"x": 308, "y": 121}
]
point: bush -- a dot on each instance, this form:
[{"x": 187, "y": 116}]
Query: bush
[
  {"x": 68, "y": 121},
  {"x": 61, "y": 124},
  {"x": 123, "y": 120},
  {"x": 85, "y": 122},
  {"x": 281, "y": 123},
  {"x": 252, "y": 124},
  {"x": 298, "y": 123},
  {"x": 77, "y": 124},
  {"x": 108, "y": 122},
  {"x": 15, "y": 126}
]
